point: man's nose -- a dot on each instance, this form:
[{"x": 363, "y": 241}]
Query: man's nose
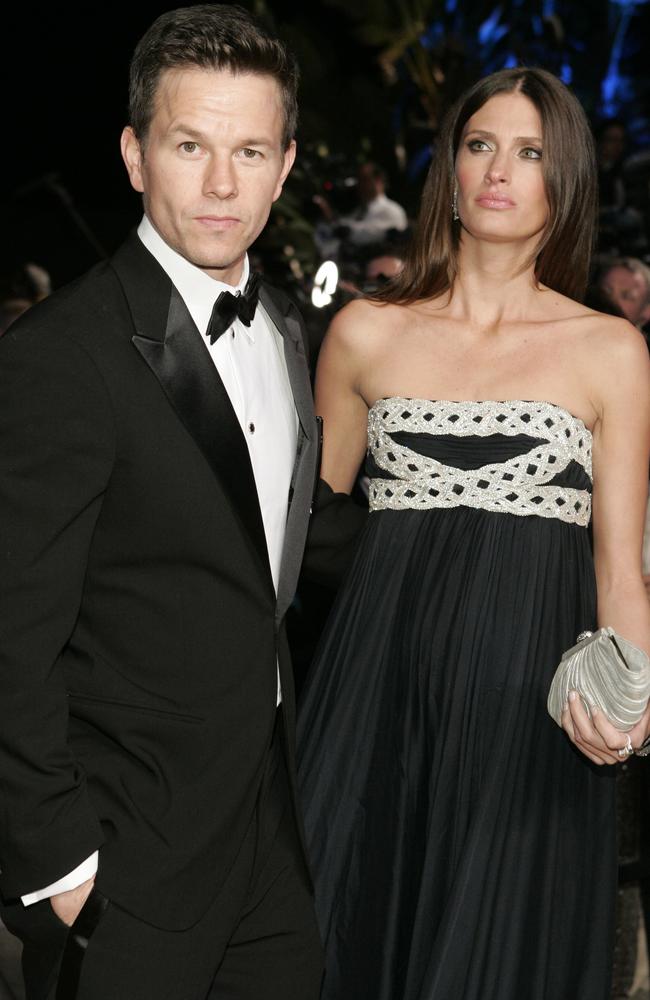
[{"x": 220, "y": 178}]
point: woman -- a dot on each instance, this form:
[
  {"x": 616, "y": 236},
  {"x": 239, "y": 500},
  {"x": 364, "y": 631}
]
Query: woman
[{"x": 463, "y": 845}]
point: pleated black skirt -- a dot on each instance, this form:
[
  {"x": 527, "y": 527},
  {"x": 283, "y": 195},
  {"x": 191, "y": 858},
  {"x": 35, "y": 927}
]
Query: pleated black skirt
[{"x": 462, "y": 848}]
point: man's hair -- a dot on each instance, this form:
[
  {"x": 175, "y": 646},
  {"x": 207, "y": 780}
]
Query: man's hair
[
  {"x": 376, "y": 172},
  {"x": 209, "y": 36},
  {"x": 634, "y": 266}
]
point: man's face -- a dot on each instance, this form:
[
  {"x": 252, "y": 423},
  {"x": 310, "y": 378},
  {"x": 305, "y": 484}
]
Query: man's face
[
  {"x": 369, "y": 186},
  {"x": 628, "y": 291},
  {"x": 211, "y": 164}
]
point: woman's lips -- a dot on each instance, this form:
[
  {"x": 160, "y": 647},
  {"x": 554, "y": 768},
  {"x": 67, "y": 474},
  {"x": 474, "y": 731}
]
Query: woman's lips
[{"x": 494, "y": 201}]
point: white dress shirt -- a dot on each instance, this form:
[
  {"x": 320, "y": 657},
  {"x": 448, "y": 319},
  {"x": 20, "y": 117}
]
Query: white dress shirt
[
  {"x": 366, "y": 226},
  {"x": 250, "y": 362},
  {"x": 370, "y": 223}
]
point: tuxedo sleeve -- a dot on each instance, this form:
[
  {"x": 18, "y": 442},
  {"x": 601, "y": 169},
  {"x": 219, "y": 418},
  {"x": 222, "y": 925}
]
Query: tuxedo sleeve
[
  {"x": 334, "y": 530},
  {"x": 57, "y": 441}
]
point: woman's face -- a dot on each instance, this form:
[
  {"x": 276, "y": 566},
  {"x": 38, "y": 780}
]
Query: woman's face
[{"x": 501, "y": 194}]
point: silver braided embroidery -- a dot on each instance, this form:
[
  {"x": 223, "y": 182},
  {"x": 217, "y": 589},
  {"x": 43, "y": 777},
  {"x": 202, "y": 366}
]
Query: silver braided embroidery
[{"x": 520, "y": 485}]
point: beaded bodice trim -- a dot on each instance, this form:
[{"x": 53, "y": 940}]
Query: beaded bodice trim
[{"x": 520, "y": 485}]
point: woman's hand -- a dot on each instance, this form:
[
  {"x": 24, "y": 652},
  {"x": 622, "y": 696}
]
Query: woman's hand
[
  {"x": 641, "y": 731},
  {"x": 596, "y": 737}
]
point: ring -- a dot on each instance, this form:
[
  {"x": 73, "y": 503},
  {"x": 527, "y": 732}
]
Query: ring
[{"x": 627, "y": 750}]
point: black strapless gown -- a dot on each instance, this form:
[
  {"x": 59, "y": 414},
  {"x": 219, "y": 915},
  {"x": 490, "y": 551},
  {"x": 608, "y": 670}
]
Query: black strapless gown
[{"x": 462, "y": 849}]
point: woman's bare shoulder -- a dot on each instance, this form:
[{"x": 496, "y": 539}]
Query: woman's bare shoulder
[
  {"x": 596, "y": 334},
  {"x": 613, "y": 357},
  {"x": 363, "y": 325},
  {"x": 611, "y": 339}
]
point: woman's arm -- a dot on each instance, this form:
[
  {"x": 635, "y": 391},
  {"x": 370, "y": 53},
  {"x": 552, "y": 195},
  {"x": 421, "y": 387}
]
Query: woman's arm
[
  {"x": 345, "y": 352},
  {"x": 337, "y": 520},
  {"x": 621, "y": 449}
]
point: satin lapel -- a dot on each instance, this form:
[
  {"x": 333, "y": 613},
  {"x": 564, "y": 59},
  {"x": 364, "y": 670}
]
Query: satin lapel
[
  {"x": 180, "y": 360},
  {"x": 286, "y": 319},
  {"x": 288, "y": 323}
]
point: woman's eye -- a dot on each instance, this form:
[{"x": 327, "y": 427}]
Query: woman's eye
[
  {"x": 477, "y": 145},
  {"x": 530, "y": 153}
]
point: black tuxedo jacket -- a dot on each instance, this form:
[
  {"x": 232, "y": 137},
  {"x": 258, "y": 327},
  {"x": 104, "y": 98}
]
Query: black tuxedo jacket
[{"x": 139, "y": 625}]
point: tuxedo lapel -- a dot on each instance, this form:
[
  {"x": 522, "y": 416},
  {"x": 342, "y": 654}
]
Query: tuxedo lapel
[
  {"x": 286, "y": 320},
  {"x": 284, "y": 315},
  {"x": 167, "y": 339}
]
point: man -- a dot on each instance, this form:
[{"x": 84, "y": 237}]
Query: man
[
  {"x": 626, "y": 282},
  {"x": 158, "y": 454},
  {"x": 375, "y": 216}
]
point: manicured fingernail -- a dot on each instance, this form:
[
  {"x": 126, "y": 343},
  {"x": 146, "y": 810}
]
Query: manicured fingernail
[{"x": 573, "y": 695}]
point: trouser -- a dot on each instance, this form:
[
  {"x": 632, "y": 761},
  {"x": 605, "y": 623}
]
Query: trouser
[{"x": 258, "y": 940}]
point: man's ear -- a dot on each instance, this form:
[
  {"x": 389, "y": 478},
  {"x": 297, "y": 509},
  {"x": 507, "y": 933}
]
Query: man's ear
[
  {"x": 289, "y": 157},
  {"x": 133, "y": 156}
]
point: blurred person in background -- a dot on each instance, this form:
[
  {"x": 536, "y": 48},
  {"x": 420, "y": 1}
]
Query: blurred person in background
[
  {"x": 622, "y": 226},
  {"x": 375, "y": 216},
  {"x": 10, "y": 310},
  {"x": 29, "y": 284},
  {"x": 626, "y": 281},
  {"x": 382, "y": 269},
  {"x": 611, "y": 146},
  {"x": 368, "y": 276},
  {"x": 32, "y": 282}
]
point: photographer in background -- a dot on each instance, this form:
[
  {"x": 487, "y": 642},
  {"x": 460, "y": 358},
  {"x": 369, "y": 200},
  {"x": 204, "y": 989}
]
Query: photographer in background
[
  {"x": 375, "y": 216},
  {"x": 626, "y": 282}
]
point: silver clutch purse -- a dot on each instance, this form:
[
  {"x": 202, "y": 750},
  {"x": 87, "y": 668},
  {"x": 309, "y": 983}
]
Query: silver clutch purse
[{"x": 609, "y": 673}]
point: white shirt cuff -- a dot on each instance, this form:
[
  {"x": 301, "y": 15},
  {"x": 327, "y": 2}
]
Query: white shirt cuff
[{"x": 87, "y": 869}]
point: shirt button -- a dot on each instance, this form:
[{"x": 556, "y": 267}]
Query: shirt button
[{"x": 251, "y": 427}]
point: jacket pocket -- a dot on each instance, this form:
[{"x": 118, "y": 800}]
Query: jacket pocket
[{"x": 128, "y": 706}]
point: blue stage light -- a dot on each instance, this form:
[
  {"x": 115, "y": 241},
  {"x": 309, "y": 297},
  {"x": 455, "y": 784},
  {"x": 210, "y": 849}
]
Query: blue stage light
[
  {"x": 566, "y": 73},
  {"x": 490, "y": 30}
]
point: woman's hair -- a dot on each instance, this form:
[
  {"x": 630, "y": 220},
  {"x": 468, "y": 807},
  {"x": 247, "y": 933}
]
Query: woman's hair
[
  {"x": 209, "y": 36},
  {"x": 563, "y": 253}
]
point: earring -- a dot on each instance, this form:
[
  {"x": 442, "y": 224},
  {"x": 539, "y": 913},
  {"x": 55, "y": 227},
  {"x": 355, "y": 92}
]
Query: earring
[{"x": 454, "y": 205}]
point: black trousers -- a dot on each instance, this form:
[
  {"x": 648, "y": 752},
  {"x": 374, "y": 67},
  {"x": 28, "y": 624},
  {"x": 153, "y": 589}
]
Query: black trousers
[{"x": 258, "y": 940}]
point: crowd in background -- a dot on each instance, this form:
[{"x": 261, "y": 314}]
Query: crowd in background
[{"x": 365, "y": 233}]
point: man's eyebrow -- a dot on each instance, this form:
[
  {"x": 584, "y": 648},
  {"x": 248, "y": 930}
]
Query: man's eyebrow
[
  {"x": 256, "y": 142},
  {"x": 181, "y": 129}
]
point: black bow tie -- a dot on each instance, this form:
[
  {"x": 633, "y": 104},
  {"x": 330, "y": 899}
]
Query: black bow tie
[{"x": 229, "y": 307}]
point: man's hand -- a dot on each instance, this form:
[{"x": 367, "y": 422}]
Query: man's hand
[{"x": 67, "y": 905}]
